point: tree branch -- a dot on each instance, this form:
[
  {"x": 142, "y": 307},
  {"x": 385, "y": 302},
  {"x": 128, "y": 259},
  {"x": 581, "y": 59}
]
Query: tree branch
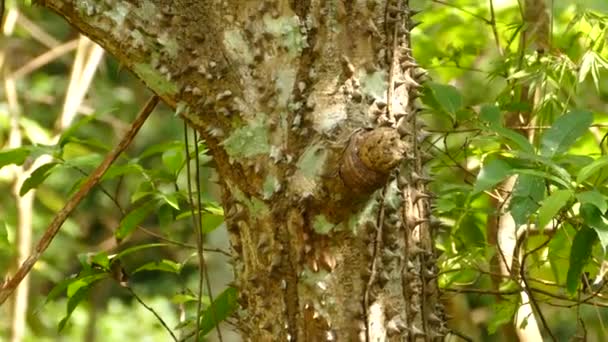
[{"x": 9, "y": 286}]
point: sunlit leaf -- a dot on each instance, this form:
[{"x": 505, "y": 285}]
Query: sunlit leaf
[
  {"x": 173, "y": 160},
  {"x": 491, "y": 174},
  {"x": 490, "y": 114},
  {"x": 447, "y": 97},
  {"x": 503, "y": 314},
  {"x": 37, "y": 177},
  {"x": 121, "y": 170},
  {"x": 134, "y": 218},
  {"x": 15, "y": 156},
  {"x": 170, "y": 198},
  {"x": 527, "y": 194},
  {"x": 595, "y": 219},
  {"x": 136, "y": 248},
  {"x": 579, "y": 257},
  {"x": 590, "y": 169},
  {"x": 595, "y": 198},
  {"x": 564, "y": 132},
  {"x": 163, "y": 266},
  {"x": 71, "y": 131},
  {"x": 101, "y": 260},
  {"x": 221, "y": 308},
  {"x": 551, "y": 206}
]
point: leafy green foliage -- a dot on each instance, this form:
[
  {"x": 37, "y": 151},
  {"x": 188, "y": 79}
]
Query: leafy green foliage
[
  {"x": 579, "y": 257},
  {"x": 219, "y": 310}
]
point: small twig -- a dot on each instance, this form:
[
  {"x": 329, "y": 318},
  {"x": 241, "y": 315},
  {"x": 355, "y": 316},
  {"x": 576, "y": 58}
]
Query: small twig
[
  {"x": 492, "y": 23},
  {"x": 463, "y": 10},
  {"x": 45, "y": 58},
  {"x": 9, "y": 286},
  {"x": 160, "y": 319}
]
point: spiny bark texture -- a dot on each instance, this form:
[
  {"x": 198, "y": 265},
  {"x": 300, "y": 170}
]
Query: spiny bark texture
[{"x": 308, "y": 110}]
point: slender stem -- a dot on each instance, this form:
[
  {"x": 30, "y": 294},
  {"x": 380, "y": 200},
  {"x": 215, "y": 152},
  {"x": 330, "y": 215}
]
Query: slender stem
[
  {"x": 160, "y": 319},
  {"x": 9, "y": 286}
]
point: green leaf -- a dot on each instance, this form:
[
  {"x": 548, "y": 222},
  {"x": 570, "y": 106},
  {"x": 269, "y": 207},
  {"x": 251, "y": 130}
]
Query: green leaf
[
  {"x": 134, "y": 218},
  {"x": 519, "y": 140},
  {"x": 183, "y": 298},
  {"x": 138, "y": 248},
  {"x": 595, "y": 198},
  {"x": 221, "y": 308},
  {"x": 579, "y": 257},
  {"x": 211, "y": 222},
  {"x": 101, "y": 259},
  {"x": 15, "y": 156},
  {"x": 590, "y": 169},
  {"x": 87, "y": 161},
  {"x": 120, "y": 170},
  {"x": 173, "y": 160},
  {"x": 447, "y": 97},
  {"x": 543, "y": 174},
  {"x": 163, "y": 266},
  {"x": 490, "y": 114},
  {"x": 594, "y": 218},
  {"x": 528, "y": 192},
  {"x": 37, "y": 177},
  {"x": 503, "y": 314},
  {"x": 165, "y": 216},
  {"x": 564, "y": 132},
  {"x": 160, "y": 148},
  {"x": 171, "y": 199},
  {"x": 71, "y": 131},
  {"x": 73, "y": 302},
  {"x": 491, "y": 174},
  {"x": 551, "y": 206}
]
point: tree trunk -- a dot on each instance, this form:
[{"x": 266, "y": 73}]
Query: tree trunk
[{"x": 308, "y": 110}]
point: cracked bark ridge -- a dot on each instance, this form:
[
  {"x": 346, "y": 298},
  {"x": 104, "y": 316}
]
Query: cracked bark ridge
[{"x": 369, "y": 159}]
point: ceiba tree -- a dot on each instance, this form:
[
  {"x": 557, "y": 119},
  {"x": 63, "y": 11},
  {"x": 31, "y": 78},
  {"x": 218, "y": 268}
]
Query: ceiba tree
[{"x": 308, "y": 108}]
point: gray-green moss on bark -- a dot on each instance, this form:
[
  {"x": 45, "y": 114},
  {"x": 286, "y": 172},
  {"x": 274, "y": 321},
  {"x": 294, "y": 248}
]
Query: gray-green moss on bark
[{"x": 308, "y": 110}]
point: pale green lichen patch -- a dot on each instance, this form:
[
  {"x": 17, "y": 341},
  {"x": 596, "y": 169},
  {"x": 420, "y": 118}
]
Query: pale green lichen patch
[
  {"x": 155, "y": 79},
  {"x": 374, "y": 84},
  {"x": 170, "y": 44},
  {"x": 329, "y": 118},
  {"x": 147, "y": 9},
  {"x": 271, "y": 185},
  {"x": 285, "y": 79},
  {"x": 287, "y": 29},
  {"x": 118, "y": 13},
  {"x": 321, "y": 225},
  {"x": 309, "y": 168},
  {"x": 255, "y": 206},
  {"x": 312, "y": 161},
  {"x": 137, "y": 38},
  {"x": 249, "y": 140},
  {"x": 237, "y": 47}
]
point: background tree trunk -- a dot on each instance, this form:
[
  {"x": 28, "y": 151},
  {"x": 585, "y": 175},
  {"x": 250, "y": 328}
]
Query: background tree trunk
[{"x": 308, "y": 110}]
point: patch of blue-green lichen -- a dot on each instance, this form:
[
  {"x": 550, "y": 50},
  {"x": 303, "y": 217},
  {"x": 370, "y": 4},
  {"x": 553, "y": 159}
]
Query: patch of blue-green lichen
[
  {"x": 321, "y": 225},
  {"x": 374, "y": 84},
  {"x": 237, "y": 46},
  {"x": 249, "y": 140},
  {"x": 154, "y": 79},
  {"x": 271, "y": 183},
  {"x": 288, "y": 29},
  {"x": 312, "y": 161}
]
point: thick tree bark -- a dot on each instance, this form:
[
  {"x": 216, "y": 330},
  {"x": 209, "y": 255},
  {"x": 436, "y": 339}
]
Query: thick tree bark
[{"x": 308, "y": 110}]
